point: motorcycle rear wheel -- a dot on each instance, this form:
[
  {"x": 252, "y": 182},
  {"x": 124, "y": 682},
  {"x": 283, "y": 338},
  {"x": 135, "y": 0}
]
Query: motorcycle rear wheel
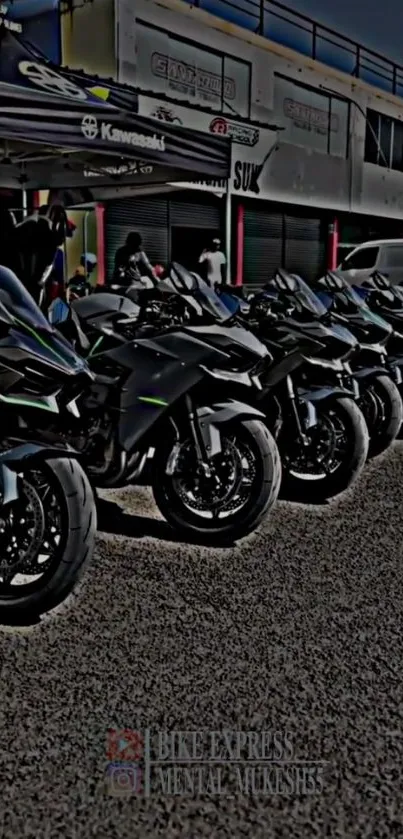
[
  {"x": 46, "y": 538},
  {"x": 251, "y": 462},
  {"x": 338, "y": 454},
  {"x": 385, "y": 421}
]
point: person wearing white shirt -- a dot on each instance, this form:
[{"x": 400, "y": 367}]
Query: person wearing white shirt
[{"x": 215, "y": 261}]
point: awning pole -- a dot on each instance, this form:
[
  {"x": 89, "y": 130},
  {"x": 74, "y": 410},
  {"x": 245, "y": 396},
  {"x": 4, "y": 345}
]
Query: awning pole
[
  {"x": 24, "y": 203},
  {"x": 228, "y": 228}
]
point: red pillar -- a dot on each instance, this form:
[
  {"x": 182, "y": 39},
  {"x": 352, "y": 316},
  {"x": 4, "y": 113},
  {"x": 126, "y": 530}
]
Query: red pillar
[
  {"x": 240, "y": 234},
  {"x": 99, "y": 215},
  {"x": 333, "y": 245}
]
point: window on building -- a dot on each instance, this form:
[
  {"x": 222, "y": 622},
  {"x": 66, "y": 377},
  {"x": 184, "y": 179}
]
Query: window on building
[
  {"x": 372, "y": 137},
  {"x": 365, "y": 258},
  {"x": 397, "y": 151},
  {"x": 188, "y": 71},
  {"x": 311, "y": 118},
  {"x": 384, "y": 141}
]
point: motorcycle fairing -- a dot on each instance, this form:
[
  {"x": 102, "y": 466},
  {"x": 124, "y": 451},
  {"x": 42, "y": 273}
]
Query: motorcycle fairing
[{"x": 162, "y": 370}]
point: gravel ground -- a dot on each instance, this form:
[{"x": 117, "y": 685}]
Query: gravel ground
[{"x": 298, "y": 629}]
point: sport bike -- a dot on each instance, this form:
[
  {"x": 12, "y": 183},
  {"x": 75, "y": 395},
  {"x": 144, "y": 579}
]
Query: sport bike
[
  {"x": 47, "y": 513},
  {"x": 164, "y": 399},
  {"x": 377, "y": 372},
  {"x": 320, "y": 431}
]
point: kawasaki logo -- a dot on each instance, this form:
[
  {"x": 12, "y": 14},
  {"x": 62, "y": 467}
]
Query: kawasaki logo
[{"x": 91, "y": 130}]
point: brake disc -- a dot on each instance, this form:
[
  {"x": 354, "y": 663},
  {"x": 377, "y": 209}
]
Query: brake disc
[{"x": 22, "y": 530}]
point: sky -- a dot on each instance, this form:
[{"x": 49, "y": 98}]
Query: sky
[{"x": 374, "y": 24}]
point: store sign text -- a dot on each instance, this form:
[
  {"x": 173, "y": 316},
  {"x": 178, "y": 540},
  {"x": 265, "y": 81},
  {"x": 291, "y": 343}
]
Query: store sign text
[
  {"x": 246, "y": 176},
  {"x": 241, "y": 134},
  {"x": 91, "y": 130},
  {"x": 188, "y": 78},
  {"x": 124, "y": 171},
  {"x": 218, "y": 184},
  {"x": 309, "y": 118}
]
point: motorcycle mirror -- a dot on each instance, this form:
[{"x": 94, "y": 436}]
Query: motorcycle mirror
[
  {"x": 381, "y": 281},
  {"x": 334, "y": 281},
  {"x": 284, "y": 281},
  {"x": 46, "y": 274},
  {"x": 182, "y": 279}
]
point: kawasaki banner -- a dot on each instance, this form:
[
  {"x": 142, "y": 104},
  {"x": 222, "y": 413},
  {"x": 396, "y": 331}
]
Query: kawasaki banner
[{"x": 70, "y": 130}]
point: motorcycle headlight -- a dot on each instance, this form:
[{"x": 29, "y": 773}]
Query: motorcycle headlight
[
  {"x": 329, "y": 364},
  {"x": 378, "y": 348},
  {"x": 239, "y": 377}
]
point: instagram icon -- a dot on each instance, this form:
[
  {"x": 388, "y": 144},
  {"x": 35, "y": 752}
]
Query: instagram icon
[{"x": 123, "y": 779}]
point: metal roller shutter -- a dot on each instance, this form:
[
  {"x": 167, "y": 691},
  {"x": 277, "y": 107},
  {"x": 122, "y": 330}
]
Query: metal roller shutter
[
  {"x": 148, "y": 217},
  {"x": 203, "y": 213},
  {"x": 262, "y": 246},
  {"x": 274, "y": 238},
  {"x": 305, "y": 246}
]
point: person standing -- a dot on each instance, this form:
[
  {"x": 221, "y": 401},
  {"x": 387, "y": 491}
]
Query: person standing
[
  {"x": 132, "y": 256},
  {"x": 215, "y": 262}
]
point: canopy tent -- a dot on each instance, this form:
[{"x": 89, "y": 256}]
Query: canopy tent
[{"x": 71, "y": 137}]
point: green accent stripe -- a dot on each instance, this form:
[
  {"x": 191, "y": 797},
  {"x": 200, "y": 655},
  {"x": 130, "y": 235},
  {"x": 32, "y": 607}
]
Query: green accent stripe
[
  {"x": 153, "y": 400},
  {"x": 41, "y": 341},
  {"x": 96, "y": 345},
  {"x": 15, "y": 400}
]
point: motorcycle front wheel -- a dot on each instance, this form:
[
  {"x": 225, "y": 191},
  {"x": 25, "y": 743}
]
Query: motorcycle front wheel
[
  {"x": 46, "y": 538},
  {"x": 382, "y": 407},
  {"x": 334, "y": 457},
  {"x": 230, "y": 503}
]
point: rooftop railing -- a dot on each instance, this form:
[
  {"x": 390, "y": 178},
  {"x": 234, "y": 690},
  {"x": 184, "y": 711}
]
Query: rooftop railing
[{"x": 299, "y": 32}]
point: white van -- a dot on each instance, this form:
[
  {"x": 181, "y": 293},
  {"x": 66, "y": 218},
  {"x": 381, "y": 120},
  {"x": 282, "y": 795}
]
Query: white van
[{"x": 384, "y": 255}]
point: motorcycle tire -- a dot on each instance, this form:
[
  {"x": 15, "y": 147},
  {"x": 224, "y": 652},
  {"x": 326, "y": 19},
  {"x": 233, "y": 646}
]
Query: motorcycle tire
[
  {"x": 342, "y": 413},
  {"x": 70, "y": 509},
  {"x": 385, "y": 426},
  {"x": 400, "y": 433},
  {"x": 243, "y": 439}
]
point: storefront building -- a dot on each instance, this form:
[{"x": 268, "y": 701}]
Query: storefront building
[{"x": 317, "y": 157}]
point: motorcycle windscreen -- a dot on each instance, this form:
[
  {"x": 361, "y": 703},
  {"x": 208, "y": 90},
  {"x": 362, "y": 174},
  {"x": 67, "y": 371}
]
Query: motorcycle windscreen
[
  {"x": 19, "y": 303},
  {"x": 20, "y": 310},
  {"x": 350, "y": 302},
  {"x": 51, "y": 348},
  {"x": 232, "y": 303},
  {"x": 307, "y": 299},
  {"x": 211, "y": 302},
  {"x": 325, "y": 298},
  {"x": 363, "y": 292}
]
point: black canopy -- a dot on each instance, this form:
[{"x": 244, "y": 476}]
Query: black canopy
[{"x": 55, "y": 131}]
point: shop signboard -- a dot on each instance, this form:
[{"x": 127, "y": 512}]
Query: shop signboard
[
  {"x": 250, "y": 145},
  {"x": 163, "y": 62},
  {"x": 311, "y": 118}
]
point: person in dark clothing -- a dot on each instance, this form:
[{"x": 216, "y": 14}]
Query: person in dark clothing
[
  {"x": 131, "y": 261},
  {"x": 8, "y": 254},
  {"x": 37, "y": 239}
]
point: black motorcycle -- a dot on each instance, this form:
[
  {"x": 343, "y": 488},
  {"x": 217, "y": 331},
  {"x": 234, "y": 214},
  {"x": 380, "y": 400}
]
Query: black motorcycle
[
  {"x": 322, "y": 457},
  {"x": 47, "y": 514},
  {"x": 321, "y": 433},
  {"x": 166, "y": 396},
  {"x": 377, "y": 374}
]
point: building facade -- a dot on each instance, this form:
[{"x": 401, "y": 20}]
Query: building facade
[{"x": 317, "y": 156}]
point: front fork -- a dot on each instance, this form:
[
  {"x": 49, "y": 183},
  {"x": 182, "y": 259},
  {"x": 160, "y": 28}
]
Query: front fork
[
  {"x": 311, "y": 418},
  {"x": 346, "y": 380},
  {"x": 202, "y": 450},
  {"x": 395, "y": 373}
]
